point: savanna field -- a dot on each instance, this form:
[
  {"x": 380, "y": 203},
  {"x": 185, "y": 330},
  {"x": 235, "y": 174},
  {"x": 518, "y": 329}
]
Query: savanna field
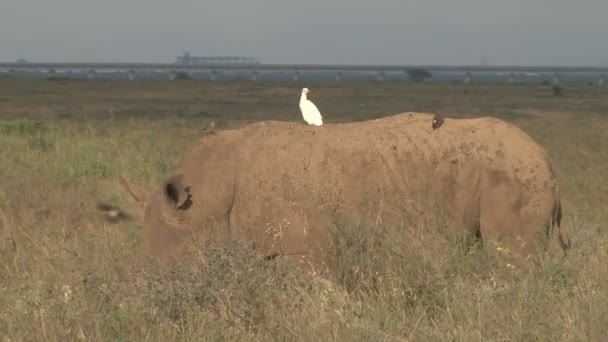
[{"x": 68, "y": 274}]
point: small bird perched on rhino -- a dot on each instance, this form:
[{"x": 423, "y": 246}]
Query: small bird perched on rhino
[
  {"x": 310, "y": 112},
  {"x": 437, "y": 121}
]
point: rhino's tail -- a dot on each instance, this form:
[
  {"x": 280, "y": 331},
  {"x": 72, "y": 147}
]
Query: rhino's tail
[{"x": 556, "y": 220}]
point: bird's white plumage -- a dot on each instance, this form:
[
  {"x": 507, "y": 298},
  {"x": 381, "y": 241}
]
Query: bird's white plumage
[{"x": 310, "y": 112}]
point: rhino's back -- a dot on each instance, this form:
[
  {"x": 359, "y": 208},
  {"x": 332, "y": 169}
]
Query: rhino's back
[
  {"x": 338, "y": 168},
  {"x": 401, "y": 142},
  {"x": 338, "y": 161}
]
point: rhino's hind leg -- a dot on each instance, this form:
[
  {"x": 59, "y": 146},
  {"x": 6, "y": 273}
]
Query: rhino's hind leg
[
  {"x": 467, "y": 203},
  {"x": 510, "y": 218}
]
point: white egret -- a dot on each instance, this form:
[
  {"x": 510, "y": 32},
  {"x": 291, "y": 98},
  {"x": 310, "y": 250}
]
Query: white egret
[{"x": 310, "y": 112}]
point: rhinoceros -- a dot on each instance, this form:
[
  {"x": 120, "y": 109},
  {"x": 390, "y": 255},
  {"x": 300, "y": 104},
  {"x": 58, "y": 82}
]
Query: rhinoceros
[{"x": 281, "y": 185}]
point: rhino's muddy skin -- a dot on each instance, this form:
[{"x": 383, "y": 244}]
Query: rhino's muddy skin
[{"x": 282, "y": 185}]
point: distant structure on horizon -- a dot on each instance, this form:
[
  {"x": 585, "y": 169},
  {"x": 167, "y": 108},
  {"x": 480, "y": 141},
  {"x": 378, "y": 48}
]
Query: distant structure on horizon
[{"x": 186, "y": 59}]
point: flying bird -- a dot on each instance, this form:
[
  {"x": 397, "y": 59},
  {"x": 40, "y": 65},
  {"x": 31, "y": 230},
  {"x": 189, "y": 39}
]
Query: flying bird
[
  {"x": 113, "y": 213},
  {"x": 310, "y": 112}
]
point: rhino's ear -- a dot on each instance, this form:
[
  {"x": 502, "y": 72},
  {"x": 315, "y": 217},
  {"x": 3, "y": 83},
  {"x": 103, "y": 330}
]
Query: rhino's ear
[
  {"x": 139, "y": 193},
  {"x": 176, "y": 194}
]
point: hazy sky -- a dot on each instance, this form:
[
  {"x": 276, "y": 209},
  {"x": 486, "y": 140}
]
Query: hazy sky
[{"x": 539, "y": 32}]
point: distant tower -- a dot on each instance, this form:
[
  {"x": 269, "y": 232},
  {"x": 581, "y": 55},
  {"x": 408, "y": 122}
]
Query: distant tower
[{"x": 184, "y": 59}]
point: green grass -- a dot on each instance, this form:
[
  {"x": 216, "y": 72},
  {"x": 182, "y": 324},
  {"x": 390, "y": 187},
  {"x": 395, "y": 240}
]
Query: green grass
[{"x": 68, "y": 275}]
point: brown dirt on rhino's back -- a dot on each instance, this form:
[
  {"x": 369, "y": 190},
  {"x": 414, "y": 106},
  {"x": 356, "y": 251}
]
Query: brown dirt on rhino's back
[
  {"x": 337, "y": 167},
  {"x": 491, "y": 140}
]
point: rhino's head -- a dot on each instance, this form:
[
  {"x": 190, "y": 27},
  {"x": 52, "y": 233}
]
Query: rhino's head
[{"x": 164, "y": 214}]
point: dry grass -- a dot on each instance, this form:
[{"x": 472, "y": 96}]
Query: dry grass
[{"x": 67, "y": 275}]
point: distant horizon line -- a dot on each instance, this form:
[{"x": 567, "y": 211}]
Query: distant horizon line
[{"x": 26, "y": 62}]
